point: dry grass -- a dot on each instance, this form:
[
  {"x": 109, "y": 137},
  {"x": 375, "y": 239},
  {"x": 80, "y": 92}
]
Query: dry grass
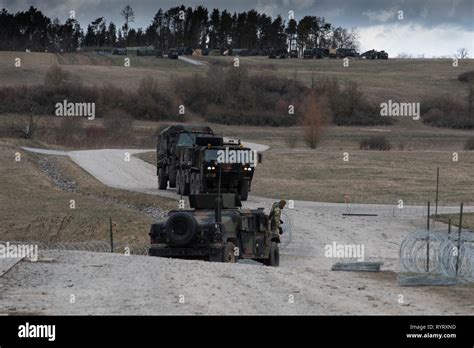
[
  {"x": 396, "y": 79},
  {"x": 467, "y": 220},
  {"x": 92, "y": 70},
  {"x": 35, "y": 209}
]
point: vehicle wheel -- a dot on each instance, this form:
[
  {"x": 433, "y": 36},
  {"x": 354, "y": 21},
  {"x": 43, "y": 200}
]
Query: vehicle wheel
[
  {"x": 181, "y": 228},
  {"x": 228, "y": 255},
  {"x": 274, "y": 257},
  {"x": 184, "y": 185},
  {"x": 162, "y": 182},
  {"x": 244, "y": 190},
  {"x": 172, "y": 178}
]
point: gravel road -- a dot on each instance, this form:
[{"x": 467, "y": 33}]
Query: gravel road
[{"x": 303, "y": 284}]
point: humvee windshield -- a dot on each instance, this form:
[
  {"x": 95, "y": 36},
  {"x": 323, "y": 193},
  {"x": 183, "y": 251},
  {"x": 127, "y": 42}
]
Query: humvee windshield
[{"x": 210, "y": 155}]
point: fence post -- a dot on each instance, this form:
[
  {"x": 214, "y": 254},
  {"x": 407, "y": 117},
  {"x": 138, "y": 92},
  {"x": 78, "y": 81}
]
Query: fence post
[
  {"x": 459, "y": 239},
  {"x": 437, "y": 189},
  {"x": 111, "y": 236},
  {"x": 428, "y": 240}
]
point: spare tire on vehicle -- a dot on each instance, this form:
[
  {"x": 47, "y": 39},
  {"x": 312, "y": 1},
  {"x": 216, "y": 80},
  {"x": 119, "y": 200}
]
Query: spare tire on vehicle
[{"x": 181, "y": 228}]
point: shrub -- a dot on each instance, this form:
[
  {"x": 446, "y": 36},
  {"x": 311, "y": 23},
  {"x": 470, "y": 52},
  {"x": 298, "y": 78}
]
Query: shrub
[
  {"x": 349, "y": 106},
  {"x": 232, "y": 96},
  {"x": 375, "y": 143},
  {"x": 55, "y": 76},
  {"x": 315, "y": 120},
  {"x": 469, "y": 144}
]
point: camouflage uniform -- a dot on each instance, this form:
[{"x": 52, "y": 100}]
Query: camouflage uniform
[
  {"x": 277, "y": 218},
  {"x": 275, "y": 214}
]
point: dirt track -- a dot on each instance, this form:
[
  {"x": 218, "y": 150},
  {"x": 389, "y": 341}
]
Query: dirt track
[{"x": 118, "y": 284}]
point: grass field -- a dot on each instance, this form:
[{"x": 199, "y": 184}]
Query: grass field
[
  {"x": 467, "y": 220},
  {"x": 35, "y": 209},
  {"x": 405, "y": 80},
  {"x": 396, "y": 79}
]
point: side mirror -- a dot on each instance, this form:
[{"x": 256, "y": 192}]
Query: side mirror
[{"x": 259, "y": 157}]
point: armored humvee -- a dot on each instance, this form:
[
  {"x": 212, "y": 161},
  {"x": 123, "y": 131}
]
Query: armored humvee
[
  {"x": 187, "y": 159},
  {"x": 216, "y": 229}
]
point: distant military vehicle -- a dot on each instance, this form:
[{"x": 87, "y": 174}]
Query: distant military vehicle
[
  {"x": 308, "y": 53},
  {"x": 373, "y": 54},
  {"x": 173, "y": 54},
  {"x": 277, "y": 53},
  {"x": 347, "y": 52},
  {"x": 382, "y": 55},
  {"x": 119, "y": 51},
  {"x": 293, "y": 54},
  {"x": 188, "y": 158},
  {"x": 216, "y": 230},
  {"x": 332, "y": 53},
  {"x": 341, "y": 53},
  {"x": 317, "y": 53}
]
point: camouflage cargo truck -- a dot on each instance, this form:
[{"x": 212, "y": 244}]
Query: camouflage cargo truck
[
  {"x": 187, "y": 158},
  {"x": 216, "y": 230}
]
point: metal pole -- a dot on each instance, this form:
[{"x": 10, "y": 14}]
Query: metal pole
[
  {"x": 459, "y": 238},
  {"x": 449, "y": 226},
  {"x": 437, "y": 190},
  {"x": 111, "y": 236},
  {"x": 428, "y": 241},
  {"x": 428, "y": 217}
]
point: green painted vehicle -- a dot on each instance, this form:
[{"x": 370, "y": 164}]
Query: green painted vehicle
[{"x": 216, "y": 230}]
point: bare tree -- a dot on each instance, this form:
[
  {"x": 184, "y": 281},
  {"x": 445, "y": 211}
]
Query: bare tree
[
  {"x": 462, "y": 53},
  {"x": 129, "y": 16},
  {"x": 315, "y": 119},
  {"x": 25, "y": 126},
  {"x": 470, "y": 99}
]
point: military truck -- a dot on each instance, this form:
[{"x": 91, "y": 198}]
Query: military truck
[
  {"x": 216, "y": 229},
  {"x": 173, "y": 54},
  {"x": 373, "y": 54},
  {"x": 187, "y": 158}
]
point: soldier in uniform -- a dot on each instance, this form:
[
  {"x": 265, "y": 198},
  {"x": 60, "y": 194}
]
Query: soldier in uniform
[{"x": 275, "y": 217}]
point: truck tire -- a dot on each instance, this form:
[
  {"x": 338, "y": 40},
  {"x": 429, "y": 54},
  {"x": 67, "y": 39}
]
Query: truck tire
[
  {"x": 181, "y": 228},
  {"x": 274, "y": 257},
  {"x": 244, "y": 190},
  {"x": 228, "y": 256},
  {"x": 162, "y": 180}
]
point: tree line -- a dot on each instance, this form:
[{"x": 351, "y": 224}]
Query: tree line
[{"x": 178, "y": 26}]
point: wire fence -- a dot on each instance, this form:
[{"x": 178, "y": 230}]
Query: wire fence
[
  {"x": 92, "y": 246},
  {"x": 439, "y": 253}
]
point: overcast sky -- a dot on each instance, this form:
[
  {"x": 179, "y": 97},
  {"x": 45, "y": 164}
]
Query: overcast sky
[{"x": 429, "y": 27}]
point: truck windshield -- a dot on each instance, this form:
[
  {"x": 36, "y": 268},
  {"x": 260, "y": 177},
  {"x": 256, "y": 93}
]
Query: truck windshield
[
  {"x": 186, "y": 139},
  {"x": 210, "y": 155}
]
